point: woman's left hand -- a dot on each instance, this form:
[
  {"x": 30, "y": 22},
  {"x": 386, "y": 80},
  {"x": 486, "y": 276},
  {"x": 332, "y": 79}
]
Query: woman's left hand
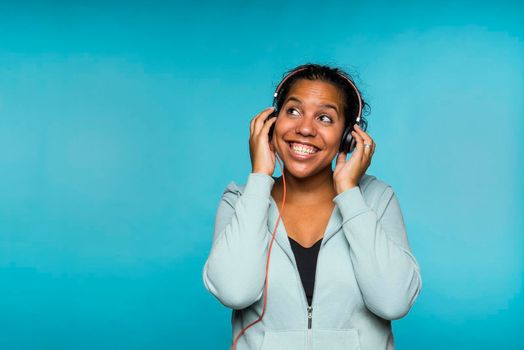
[{"x": 347, "y": 174}]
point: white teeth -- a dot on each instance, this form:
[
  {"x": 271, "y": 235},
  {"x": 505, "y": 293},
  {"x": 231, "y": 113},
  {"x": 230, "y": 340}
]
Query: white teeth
[{"x": 303, "y": 149}]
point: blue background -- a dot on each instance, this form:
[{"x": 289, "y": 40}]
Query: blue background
[{"x": 121, "y": 124}]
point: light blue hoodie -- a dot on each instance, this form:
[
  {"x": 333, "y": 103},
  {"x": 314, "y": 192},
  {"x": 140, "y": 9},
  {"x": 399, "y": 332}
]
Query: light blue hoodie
[{"x": 366, "y": 275}]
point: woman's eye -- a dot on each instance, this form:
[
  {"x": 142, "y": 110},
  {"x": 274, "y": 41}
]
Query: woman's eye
[
  {"x": 291, "y": 109},
  {"x": 328, "y": 118},
  {"x": 296, "y": 112}
]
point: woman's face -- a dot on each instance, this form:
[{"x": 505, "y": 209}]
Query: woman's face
[{"x": 309, "y": 127}]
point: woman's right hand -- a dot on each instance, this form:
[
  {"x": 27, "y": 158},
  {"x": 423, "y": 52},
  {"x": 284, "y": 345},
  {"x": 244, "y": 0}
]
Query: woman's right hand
[{"x": 262, "y": 154}]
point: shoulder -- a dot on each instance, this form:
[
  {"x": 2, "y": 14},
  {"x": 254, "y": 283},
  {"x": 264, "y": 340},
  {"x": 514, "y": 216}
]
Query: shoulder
[
  {"x": 257, "y": 185},
  {"x": 232, "y": 192},
  {"x": 376, "y": 192},
  {"x": 368, "y": 184},
  {"x": 238, "y": 189},
  {"x": 372, "y": 185},
  {"x": 373, "y": 189},
  {"x": 234, "y": 188}
]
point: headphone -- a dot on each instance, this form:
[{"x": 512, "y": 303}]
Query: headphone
[
  {"x": 347, "y": 142},
  {"x": 347, "y": 145}
]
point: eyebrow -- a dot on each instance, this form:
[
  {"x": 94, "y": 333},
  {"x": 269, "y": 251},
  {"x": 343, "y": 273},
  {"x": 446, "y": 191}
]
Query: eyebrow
[{"x": 326, "y": 105}]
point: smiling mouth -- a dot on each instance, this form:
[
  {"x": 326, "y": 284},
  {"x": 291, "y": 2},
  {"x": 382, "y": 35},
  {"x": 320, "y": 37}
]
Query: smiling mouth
[{"x": 302, "y": 150}]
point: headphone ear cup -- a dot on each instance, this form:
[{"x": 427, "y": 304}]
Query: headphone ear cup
[
  {"x": 347, "y": 143},
  {"x": 353, "y": 144}
]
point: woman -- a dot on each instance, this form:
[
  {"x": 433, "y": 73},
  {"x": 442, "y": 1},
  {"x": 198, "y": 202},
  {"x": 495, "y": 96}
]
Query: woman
[{"x": 342, "y": 267}]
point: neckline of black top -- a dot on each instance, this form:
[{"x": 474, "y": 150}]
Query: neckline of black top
[{"x": 301, "y": 246}]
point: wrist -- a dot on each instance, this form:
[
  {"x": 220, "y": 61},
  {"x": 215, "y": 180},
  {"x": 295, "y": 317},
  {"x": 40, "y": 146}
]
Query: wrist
[
  {"x": 345, "y": 187},
  {"x": 257, "y": 171}
]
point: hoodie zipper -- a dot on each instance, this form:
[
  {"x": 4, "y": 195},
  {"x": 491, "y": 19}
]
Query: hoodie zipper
[
  {"x": 309, "y": 340},
  {"x": 309, "y": 309}
]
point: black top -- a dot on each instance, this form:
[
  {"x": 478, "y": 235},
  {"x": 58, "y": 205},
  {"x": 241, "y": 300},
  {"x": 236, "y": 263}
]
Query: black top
[{"x": 307, "y": 264}]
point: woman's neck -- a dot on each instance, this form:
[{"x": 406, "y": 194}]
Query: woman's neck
[{"x": 310, "y": 190}]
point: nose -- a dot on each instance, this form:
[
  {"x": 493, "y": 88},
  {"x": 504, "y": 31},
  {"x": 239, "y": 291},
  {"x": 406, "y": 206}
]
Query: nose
[{"x": 306, "y": 127}]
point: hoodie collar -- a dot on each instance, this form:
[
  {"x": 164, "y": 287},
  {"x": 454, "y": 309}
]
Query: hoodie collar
[{"x": 281, "y": 237}]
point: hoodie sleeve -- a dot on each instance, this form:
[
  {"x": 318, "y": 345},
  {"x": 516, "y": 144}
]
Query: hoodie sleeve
[
  {"x": 386, "y": 271},
  {"x": 236, "y": 266}
]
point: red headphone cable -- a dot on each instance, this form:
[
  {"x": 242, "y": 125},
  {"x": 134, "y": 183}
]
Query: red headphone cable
[{"x": 268, "y": 258}]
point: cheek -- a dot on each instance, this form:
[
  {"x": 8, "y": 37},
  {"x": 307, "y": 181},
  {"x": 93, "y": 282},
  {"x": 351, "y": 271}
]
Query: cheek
[
  {"x": 339, "y": 134},
  {"x": 280, "y": 128},
  {"x": 333, "y": 137},
  {"x": 333, "y": 140}
]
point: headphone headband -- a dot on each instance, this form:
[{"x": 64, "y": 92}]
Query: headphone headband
[{"x": 348, "y": 80}]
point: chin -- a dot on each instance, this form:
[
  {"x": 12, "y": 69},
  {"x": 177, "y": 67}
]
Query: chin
[
  {"x": 305, "y": 172},
  {"x": 298, "y": 173}
]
